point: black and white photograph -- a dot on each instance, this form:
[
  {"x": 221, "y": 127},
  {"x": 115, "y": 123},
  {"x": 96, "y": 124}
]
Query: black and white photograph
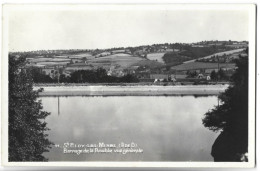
[{"x": 147, "y": 85}]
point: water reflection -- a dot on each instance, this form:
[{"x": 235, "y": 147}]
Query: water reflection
[{"x": 166, "y": 128}]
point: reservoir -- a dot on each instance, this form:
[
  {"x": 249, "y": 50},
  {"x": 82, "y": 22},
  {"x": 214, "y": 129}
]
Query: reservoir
[{"x": 162, "y": 128}]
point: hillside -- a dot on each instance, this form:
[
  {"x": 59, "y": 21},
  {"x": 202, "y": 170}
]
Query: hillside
[
  {"x": 140, "y": 61},
  {"x": 202, "y": 65},
  {"x": 191, "y": 53}
]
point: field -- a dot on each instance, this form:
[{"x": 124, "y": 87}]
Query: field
[
  {"x": 76, "y": 56},
  {"x": 60, "y": 60},
  {"x": 49, "y": 60},
  {"x": 52, "y": 63},
  {"x": 122, "y": 60},
  {"x": 151, "y": 64},
  {"x": 79, "y": 57},
  {"x": 202, "y": 65},
  {"x": 82, "y": 55},
  {"x": 156, "y": 57},
  {"x": 118, "y": 55},
  {"x": 103, "y": 54},
  {"x": 118, "y": 51},
  {"x": 61, "y": 56}
]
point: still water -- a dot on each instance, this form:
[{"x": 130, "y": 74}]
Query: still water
[{"x": 165, "y": 128}]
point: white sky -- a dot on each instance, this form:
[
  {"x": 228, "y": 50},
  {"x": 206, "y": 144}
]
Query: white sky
[{"x": 34, "y": 29}]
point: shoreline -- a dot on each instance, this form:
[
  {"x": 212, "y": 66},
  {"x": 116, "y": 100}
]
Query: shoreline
[{"x": 154, "y": 90}]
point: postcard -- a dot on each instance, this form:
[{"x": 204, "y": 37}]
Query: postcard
[{"x": 129, "y": 85}]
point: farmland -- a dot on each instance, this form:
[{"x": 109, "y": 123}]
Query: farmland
[
  {"x": 121, "y": 60},
  {"x": 156, "y": 57},
  {"x": 142, "y": 62},
  {"x": 53, "y": 63},
  {"x": 117, "y": 56},
  {"x": 146, "y": 62},
  {"x": 49, "y": 60}
]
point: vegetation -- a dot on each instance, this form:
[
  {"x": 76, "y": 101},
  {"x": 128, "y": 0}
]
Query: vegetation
[
  {"x": 174, "y": 58},
  {"x": 213, "y": 75},
  {"x": 155, "y": 56},
  {"x": 81, "y": 76},
  {"x": 27, "y": 137},
  {"x": 99, "y": 76},
  {"x": 197, "y": 52},
  {"x": 188, "y": 52},
  {"x": 218, "y": 76},
  {"x": 202, "y": 65},
  {"x": 231, "y": 117},
  {"x": 39, "y": 77},
  {"x": 192, "y": 74}
]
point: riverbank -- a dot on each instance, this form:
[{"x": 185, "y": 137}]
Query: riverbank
[{"x": 154, "y": 90}]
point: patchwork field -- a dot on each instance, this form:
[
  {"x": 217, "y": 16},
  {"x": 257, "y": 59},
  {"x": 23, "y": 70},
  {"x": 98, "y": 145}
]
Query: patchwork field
[
  {"x": 76, "y": 56},
  {"x": 53, "y": 63},
  {"x": 82, "y": 55},
  {"x": 49, "y": 60},
  {"x": 146, "y": 62},
  {"x": 118, "y": 51},
  {"x": 103, "y": 54},
  {"x": 116, "y": 56},
  {"x": 156, "y": 57},
  {"x": 122, "y": 60},
  {"x": 60, "y": 59},
  {"x": 61, "y": 56}
]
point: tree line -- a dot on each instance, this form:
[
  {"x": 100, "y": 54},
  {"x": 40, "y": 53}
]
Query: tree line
[{"x": 81, "y": 76}]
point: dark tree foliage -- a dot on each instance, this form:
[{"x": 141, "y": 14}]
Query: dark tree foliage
[
  {"x": 64, "y": 79},
  {"x": 27, "y": 137},
  {"x": 99, "y": 76},
  {"x": 232, "y": 116},
  {"x": 128, "y": 79},
  {"x": 196, "y": 52},
  {"x": 174, "y": 58},
  {"x": 220, "y": 75},
  {"x": 213, "y": 75},
  {"x": 192, "y": 74},
  {"x": 39, "y": 77}
]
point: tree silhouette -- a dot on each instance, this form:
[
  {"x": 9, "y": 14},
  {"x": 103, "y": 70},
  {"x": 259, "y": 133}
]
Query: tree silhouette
[
  {"x": 213, "y": 75},
  {"x": 27, "y": 137},
  {"x": 231, "y": 117}
]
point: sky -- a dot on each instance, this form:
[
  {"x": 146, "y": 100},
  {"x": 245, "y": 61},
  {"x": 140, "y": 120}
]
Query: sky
[{"x": 34, "y": 29}]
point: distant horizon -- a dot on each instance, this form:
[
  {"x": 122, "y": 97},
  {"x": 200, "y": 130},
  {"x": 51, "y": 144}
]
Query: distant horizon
[{"x": 123, "y": 46}]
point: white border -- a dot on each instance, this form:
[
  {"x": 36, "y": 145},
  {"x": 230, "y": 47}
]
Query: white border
[{"x": 252, "y": 24}]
